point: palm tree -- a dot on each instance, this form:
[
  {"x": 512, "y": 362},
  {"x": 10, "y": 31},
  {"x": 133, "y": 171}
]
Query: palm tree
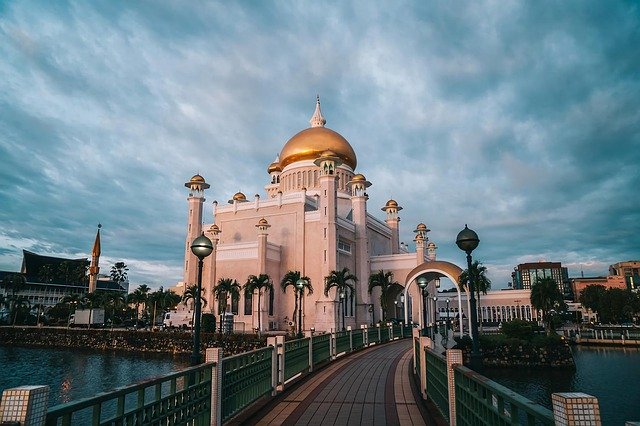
[
  {"x": 260, "y": 283},
  {"x": 547, "y": 298},
  {"x": 344, "y": 282},
  {"x": 481, "y": 283},
  {"x": 385, "y": 281},
  {"x": 20, "y": 304},
  {"x": 119, "y": 272},
  {"x": 225, "y": 288},
  {"x": 114, "y": 300},
  {"x": 290, "y": 279},
  {"x": 163, "y": 300},
  {"x": 190, "y": 295},
  {"x": 13, "y": 283}
]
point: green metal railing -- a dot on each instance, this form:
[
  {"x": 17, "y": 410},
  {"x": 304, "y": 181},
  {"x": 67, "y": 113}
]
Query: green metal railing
[
  {"x": 437, "y": 383},
  {"x": 384, "y": 333},
  {"x": 397, "y": 331},
  {"x": 372, "y": 335},
  {"x": 358, "y": 339},
  {"x": 343, "y": 342},
  {"x": 407, "y": 331},
  {"x": 296, "y": 357},
  {"x": 176, "y": 398},
  {"x": 245, "y": 378},
  {"x": 321, "y": 348},
  {"x": 480, "y": 401}
]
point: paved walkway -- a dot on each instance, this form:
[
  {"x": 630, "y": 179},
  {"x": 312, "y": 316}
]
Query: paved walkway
[{"x": 370, "y": 387}]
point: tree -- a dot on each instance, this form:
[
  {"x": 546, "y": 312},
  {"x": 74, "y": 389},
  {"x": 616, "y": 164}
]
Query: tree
[
  {"x": 163, "y": 300},
  {"x": 547, "y": 298},
  {"x": 344, "y": 282},
  {"x": 225, "y": 288},
  {"x": 65, "y": 271},
  {"x": 385, "y": 281},
  {"x": 289, "y": 280},
  {"x": 139, "y": 297},
  {"x": 592, "y": 297},
  {"x": 260, "y": 283},
  {"x": 13, "y": 283},
  {"x": 118, "y": 272},
  {"x": 481, "y": 283},
  {"x": 190, "y": 295},
  {"x": 21, "y": 305},
  {"x": 46, "y": 273},
  {"x": 113, "y": 300}
]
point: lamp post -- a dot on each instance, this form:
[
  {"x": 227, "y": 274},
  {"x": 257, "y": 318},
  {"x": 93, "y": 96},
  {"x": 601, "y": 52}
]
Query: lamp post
[
  {"x": 342, "y": 297},
  {"x": 395, "y": 312},
  {"x": 201, "y": 247},
  {"x": 435, "y": 315},
  {"x": 300, "y": 284},
  {"x": 422, "y": 283},
  {"x": 467, "y": 241}
]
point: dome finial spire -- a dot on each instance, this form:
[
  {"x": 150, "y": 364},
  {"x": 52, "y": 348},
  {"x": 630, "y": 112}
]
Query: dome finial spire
[{"x": 317, "y": 120}]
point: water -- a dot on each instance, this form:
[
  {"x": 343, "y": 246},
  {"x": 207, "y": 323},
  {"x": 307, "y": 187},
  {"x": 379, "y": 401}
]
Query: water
[
  {"x": 608, "y": 373},
  {"x": 75, "y": 374}
]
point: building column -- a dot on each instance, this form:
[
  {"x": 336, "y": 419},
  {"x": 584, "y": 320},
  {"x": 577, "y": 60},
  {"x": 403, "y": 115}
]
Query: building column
[
  {"x": 359, "y": 197},
  {"x": 197, "y": 186},
  {"x": 214, "y": 232}
]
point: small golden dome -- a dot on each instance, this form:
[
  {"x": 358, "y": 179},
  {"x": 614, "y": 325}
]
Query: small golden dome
[
  {"x": 391, "y": 204},
  {"x": 274, "y": 167},
  {"x": 263, "y": 224},
  {"x": 214, "y": 229},
  {"x": 358, "y": 178},
  {"x": 198, "y": 181},
  {"x": 239, "y": 196}
]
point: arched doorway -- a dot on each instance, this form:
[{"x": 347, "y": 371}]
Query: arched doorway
[{"x": 432, "y": 270}]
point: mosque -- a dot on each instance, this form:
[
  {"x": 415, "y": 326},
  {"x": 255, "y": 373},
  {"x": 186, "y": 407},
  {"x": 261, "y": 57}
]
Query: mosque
[{"x": 314, "y": 219}]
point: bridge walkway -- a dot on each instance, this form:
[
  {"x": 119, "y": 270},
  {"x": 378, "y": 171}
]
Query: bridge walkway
[{"x": 370, "y": 387}]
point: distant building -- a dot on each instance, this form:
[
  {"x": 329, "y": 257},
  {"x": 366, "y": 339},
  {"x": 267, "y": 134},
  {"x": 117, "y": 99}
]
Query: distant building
[
  {"x": 611, "y": 281},
  {"x": 526, "y": 274},
  {"x": 49, "y": 279},
  {"x": 630, "y": 270}
]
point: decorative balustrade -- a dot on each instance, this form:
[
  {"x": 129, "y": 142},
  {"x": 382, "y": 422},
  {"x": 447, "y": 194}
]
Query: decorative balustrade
[
  {"x": 437, "y": 386},
  {"x": 296, "y": 355}
]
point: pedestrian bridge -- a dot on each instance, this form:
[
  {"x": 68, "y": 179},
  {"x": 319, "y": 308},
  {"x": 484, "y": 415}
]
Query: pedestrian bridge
[{"x": 371, "y": 376}]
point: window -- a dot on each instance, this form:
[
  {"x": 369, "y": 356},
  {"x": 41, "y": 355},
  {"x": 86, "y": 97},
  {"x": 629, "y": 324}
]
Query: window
[
  {"x": 270, "y": 303},
  {"x": 248, "y": 303},
  {"x": 344, "y": 246},
  {"x": 234, "y": 305}
]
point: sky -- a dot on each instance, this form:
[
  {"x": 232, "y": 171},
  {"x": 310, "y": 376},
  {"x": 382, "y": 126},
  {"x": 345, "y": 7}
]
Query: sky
[{"x": 520, "y": 119}]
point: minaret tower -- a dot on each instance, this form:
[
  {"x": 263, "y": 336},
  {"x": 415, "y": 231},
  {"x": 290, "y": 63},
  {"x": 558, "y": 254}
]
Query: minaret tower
[
  {"x": 328, "y": 180},
  {"x": 392, "y": 208},
  {"x": 94, "y": 269},
  {"x": 358, "y": 186},
  {"x": 196, "y": 186},
  {"x": 421, "y": 241}
]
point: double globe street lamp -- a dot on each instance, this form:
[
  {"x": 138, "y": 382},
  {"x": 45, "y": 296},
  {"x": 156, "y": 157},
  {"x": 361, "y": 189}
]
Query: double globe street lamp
[
  {"x": 467, "y": 241},
  {"x": 201, "y": 247}
]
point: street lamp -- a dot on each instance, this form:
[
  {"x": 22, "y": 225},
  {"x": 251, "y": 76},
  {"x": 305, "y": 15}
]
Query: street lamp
[
  {"x": 435, "y": 315},
  {"x": 422, "y": 283},
  {"x": 467, "y": 241},
  {"x": 342, "y": 297},
  {"x": 201, "y": 247},
  {"x": 300, "y": 285},
  {"x": 447, "y": 323}
]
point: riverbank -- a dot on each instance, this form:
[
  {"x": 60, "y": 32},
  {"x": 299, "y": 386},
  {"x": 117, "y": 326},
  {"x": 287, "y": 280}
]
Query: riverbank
[{"x": 172, "y": 342}]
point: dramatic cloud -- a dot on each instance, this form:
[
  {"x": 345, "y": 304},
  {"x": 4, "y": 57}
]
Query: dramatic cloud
[{"x": 521, "y": 119}]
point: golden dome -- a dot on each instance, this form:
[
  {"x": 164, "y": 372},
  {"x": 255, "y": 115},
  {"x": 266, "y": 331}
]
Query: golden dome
[
  {"x": 358, "y": 178},
  {"x": 274, "y": 167},
  {"x": 391, "y": 204},
  {"x": 214, "y": 229},
  {"x": 197, "y": 180},
  {"x": 310, "y": 143},
  {"x": 239, "y": 196}
]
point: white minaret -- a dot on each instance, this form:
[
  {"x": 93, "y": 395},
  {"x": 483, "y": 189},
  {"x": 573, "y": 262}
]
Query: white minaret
[
  {"x": 196, "y": 186},
  {"x": 358, "y": 186},
  {"x": 392, "y": 208}
]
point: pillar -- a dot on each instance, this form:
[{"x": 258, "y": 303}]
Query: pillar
[
  {"x": 575, "y": 409},
  {"x": 454, "y": 357},
  {"x": 197, "y": 186},
  {"x": 24, "y": 404},
  {"x": 215, "y": 355}
]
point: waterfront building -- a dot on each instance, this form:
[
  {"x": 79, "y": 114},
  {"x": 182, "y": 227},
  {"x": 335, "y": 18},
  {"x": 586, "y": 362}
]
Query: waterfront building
[
  {"x": 49, "y": 279},
  {"x": 526, "y": 274},
  {"x": 630, "y": 270},
  {"x": 611, "y": 281},
  {"x": 314, "y": 219}
]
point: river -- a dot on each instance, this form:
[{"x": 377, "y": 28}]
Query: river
[{"x": 611, "y": 374}]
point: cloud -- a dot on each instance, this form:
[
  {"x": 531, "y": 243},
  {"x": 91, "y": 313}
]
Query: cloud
[{"x": 518, "y": 118}]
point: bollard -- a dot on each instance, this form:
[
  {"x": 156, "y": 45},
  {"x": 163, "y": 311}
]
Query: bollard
[
  {"x": 454, "y": 357},
  {"x": 575, "y": 409},
  {"x": 350, "y": 338},
  {"x": 309, "y": 334},
  {"x": 215, "y": 355},
  {"x": 365, "y": 335},
  {"x": 26, "y": 405}
]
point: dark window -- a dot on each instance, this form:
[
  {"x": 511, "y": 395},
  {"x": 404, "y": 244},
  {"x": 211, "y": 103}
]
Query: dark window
[
  {"x": 270, "y": 302},
  {"x": 248, "y": 303}
]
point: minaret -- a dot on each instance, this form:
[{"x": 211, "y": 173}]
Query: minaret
[
  {"x": 358, "y": 185},
  {"x": 214, "y": 235},
  {"x": 263, "y": 231},
  {"x": 431, "y": 251},
  {"x": 421, "y": 241},
  {"x": 196, "y": 186},
  {"x": 328, "y": 162},
  {"x": 94, "y": 269},
  {"x": 392, "y": 208},
  {"x": 317, "y": 120}
]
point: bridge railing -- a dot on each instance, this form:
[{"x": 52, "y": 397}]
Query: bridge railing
[
  {"x": 465, "y": 397},
  {"x": 211, "y": 393},
  {"x": 177, "y": 398}
]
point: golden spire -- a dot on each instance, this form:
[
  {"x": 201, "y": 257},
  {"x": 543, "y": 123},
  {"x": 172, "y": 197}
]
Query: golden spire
[
  {"x": 317, "y": 120},
  {"x": 96, "y": 244}
]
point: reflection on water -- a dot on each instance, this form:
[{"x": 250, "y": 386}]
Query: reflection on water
[
  {"x": 75, "y": 374},
  {"x": 608, "y": 373}
]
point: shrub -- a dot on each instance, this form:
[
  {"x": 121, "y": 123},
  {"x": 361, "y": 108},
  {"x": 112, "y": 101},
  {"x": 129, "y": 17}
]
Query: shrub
[
  {"x": 518, "y": 329},
  {"x": 208, "y": 323}
]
